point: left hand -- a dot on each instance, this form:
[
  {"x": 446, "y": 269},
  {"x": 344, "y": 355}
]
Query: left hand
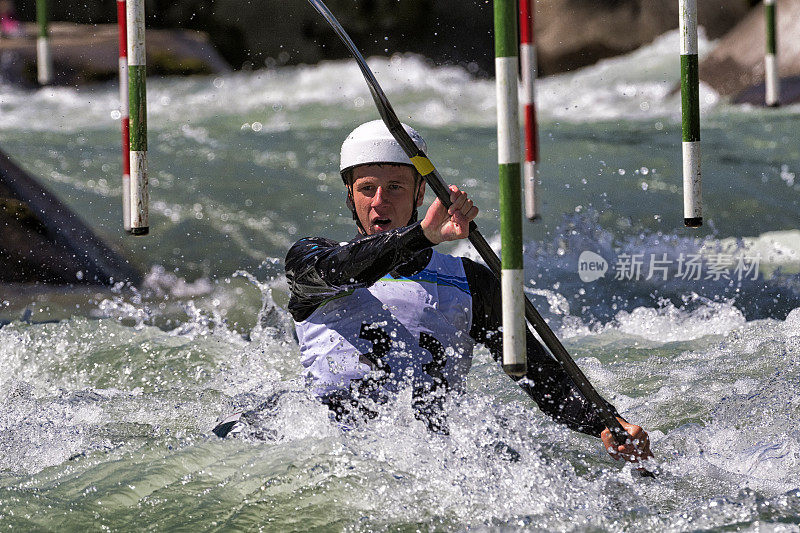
[{"x": 635, "y": 450}]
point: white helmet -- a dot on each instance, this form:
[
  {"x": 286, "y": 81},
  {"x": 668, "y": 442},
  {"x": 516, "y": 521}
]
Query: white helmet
[{"x": 372, "y": 142}]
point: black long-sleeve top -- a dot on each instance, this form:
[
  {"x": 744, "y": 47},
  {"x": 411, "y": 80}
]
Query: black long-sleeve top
[{"x": 318, "y": 269}]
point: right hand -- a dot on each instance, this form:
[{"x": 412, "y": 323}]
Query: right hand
[{"x": 440, "y": 224}]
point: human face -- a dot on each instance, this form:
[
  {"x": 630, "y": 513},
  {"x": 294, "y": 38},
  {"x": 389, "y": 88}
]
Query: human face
[{"x": 384, "y": 196}]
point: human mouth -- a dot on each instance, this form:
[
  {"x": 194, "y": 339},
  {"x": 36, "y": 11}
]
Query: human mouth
[{"x": 381, "y": 223}]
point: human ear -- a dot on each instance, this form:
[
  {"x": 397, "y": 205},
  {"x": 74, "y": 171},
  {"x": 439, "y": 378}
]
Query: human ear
[{"x": 421, "y": 194}]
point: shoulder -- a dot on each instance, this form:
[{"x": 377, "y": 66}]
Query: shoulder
[
  {"x": 477, "y": 270},
  {"x": 482, "y": 282},
  {"x": 451, "y": 261}
]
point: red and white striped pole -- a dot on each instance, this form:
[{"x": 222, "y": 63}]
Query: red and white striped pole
[
  {"x": 527, "y": 55},
  {"x": 124, "y": 114}
]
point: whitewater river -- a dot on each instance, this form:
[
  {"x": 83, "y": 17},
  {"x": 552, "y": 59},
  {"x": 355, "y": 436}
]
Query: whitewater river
[{"x": 107, "y": 399}]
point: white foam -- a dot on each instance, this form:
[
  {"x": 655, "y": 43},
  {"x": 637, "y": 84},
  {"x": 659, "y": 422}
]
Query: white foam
[
  {"x": 669, "y": 323},
  {"x": 162, "y": 282},
  {"x": 632, "y": 86},
  {"x": 773, "y": 248}
]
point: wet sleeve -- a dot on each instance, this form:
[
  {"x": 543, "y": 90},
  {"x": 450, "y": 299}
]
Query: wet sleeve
[
  {"x": 318, "y": 269},
  {"x": 545, "y": 382}
]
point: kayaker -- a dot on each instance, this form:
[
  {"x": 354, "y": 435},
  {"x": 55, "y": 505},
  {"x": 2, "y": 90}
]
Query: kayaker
[{"x": 385, "y": 311}]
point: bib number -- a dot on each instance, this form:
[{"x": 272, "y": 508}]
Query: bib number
[
  {"x": 376, "y": 358},
  {"x": 428, "y": 397},
  {"x": 382, "y": 344}
]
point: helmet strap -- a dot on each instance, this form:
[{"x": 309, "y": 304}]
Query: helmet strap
[
  {"x": 414, "y": 214},
  {"x": 352, "y": 206}
]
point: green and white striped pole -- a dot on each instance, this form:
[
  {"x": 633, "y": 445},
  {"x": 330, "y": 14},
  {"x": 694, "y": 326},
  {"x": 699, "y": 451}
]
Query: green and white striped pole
[
  {"x": 512, "y": 276},
  {"x": 771, "y": 78},
  {"x": 138, "y": 117},
  {"x": 44, "y": 61},
  {"x": 690, "y": 111}
]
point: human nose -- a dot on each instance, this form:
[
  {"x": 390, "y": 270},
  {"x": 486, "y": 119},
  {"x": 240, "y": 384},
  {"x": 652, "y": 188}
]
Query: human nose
[{"x": 380, "y": 196}]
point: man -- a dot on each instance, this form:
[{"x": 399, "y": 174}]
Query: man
[{"x": 385, "y": 311}]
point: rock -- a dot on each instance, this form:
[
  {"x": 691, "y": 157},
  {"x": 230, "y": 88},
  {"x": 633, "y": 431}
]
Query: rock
[
  {"x": 735, "y": 68},
  {"x": 87, "y": 53},
  {"x": 790, "y": 92},
  {"x": 569, "y": 33},
  {"x": 45, "y": 242},
  {"x": 575, "y": 33}
]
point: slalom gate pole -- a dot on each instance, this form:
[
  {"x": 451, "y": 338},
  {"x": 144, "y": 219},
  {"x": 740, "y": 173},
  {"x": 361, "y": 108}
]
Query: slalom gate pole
[
  {"x": 771, "y": 78},
  {"x": 124, "y": 115},
  {"x": 512, "y": 277},
  {"x": 690, "y": 113},
  {"x": 44, "y": 61},
  {"x": 527, "y": 56},
  {"x": 436, "y": 183},
  {"x": 138, "y": 117}
]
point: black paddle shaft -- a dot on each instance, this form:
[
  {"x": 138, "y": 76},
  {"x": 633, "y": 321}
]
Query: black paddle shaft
[{"x": 437, "y": 184}]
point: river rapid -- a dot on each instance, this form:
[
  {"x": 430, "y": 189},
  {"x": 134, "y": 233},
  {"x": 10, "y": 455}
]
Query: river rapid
[{"x": 107, "y": 398}]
